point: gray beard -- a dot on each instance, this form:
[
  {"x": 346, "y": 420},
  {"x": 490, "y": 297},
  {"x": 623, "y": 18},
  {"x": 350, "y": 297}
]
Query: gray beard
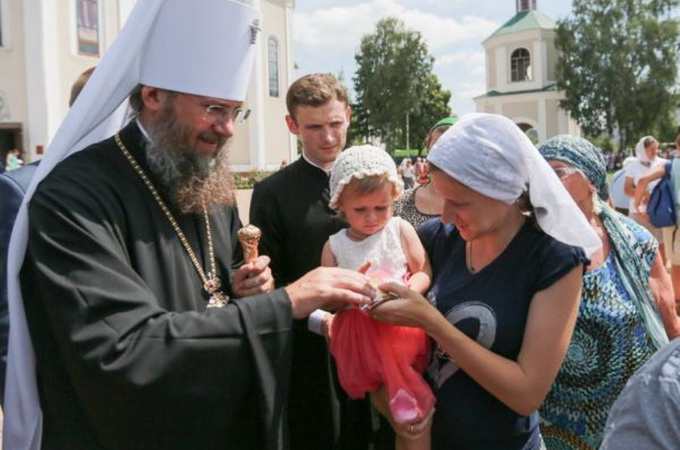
[{"x": 192, "y": 182}]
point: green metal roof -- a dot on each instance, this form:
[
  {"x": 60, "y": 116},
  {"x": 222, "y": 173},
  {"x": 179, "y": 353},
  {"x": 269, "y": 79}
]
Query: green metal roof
[
  {"x": 525, "y": 20},
  {"x": 546, "y": 88}
]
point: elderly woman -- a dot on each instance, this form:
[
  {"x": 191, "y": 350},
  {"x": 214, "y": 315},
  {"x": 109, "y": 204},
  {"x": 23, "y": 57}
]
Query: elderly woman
[
  {"x": 624, "y": 289},
  {"x": 422, "y": 203},
  {"x": 505, "y": 290}
]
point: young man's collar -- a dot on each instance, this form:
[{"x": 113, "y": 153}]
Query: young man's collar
[{"x": 328, "y": 171}]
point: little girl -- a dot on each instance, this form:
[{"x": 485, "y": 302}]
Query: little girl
[{"x": 369, "y": 354}]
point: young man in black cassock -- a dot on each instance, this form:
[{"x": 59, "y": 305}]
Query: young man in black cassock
[
  {"x": 291, "y": 207},
  {"x": 149, "y": 330}
]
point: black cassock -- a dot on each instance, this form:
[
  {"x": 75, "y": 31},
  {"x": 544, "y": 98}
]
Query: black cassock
[{"x": 128, "y": 357}]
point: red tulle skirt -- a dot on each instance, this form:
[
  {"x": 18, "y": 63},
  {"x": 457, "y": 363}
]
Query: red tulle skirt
[{"x": 369, "y": 354}]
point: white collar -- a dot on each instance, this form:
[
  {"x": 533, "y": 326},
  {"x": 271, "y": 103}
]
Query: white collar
[
  {"x": 328, "y": 171},
  {"x": 143, "y": 130}
]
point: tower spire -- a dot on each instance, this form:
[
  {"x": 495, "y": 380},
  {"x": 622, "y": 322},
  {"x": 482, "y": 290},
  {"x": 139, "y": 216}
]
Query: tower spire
[{"x": 526, "y": 5}]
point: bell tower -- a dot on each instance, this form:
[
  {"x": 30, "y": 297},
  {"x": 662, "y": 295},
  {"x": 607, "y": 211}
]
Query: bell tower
[
  {"x": 526, "y": 5},
  {"x": 520, "y": 75}
]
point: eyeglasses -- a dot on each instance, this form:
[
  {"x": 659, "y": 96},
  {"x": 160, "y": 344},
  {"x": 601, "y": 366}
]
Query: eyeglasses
[
  {"x": 564, "y": 172},
  {"x": 222, "y": 114}
]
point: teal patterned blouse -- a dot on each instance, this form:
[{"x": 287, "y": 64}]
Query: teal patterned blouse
[{"x": 610, "y": 343}]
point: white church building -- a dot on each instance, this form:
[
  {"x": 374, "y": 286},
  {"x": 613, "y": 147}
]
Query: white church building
[
  {"x": 520, "y": 75},
  {"x": 46, "y": 44}
]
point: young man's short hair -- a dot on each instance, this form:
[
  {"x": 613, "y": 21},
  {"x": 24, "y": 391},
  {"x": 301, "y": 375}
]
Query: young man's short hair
[{"x": 315, "y": 89}]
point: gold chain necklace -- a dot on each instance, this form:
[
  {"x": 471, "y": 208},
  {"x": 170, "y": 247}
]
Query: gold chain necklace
[{"x": 211, "y": 282}]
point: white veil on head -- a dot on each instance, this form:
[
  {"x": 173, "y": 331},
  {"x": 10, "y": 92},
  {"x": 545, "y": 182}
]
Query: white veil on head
[
  {"x": 641, "y": 151},
  {"x": 204, "y": 47},
  {"x": 490, "y": 154}
]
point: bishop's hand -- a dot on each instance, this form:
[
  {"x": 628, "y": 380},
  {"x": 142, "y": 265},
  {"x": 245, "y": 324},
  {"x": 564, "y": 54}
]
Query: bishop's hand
[
  {"x": 328, "y": 284},
  {"x": 253, "y": 278}
]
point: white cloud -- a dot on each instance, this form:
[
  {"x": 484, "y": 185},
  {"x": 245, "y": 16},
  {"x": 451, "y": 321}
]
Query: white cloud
[
  {"x": 469, "y": 61},
  {"x": 467, "y": 90},
  {"x": 440, "y": 31},
  {"x": 341, "y": 28}
]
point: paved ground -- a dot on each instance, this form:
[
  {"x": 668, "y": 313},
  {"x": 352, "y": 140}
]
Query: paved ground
[{"x": 243, "y": 200}]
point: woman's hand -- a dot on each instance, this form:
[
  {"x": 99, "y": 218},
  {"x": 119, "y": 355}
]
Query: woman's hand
[
  {"x": 411, "y": 309},
  {"x": 409, "y": 430}
]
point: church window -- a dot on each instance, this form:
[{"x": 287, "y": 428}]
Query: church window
[
  {"x": 273, "y": 61},
  {"x": 520, "y": 65},
  {"x": 87, "y": 22}
]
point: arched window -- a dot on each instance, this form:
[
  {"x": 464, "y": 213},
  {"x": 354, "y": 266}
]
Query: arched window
[
  {"x": 530, "y": 131},
  {"x": 520, "y": 65},
  {"x": 273, "y": 56}
]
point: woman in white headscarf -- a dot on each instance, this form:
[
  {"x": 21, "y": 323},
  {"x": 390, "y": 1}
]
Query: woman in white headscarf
[
  {"x": 508, "y": 257},
  {"x": 645, "y": 159}
]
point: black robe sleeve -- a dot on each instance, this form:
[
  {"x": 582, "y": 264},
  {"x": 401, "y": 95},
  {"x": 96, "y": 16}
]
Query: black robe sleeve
[{"x": 265, "y": 215}]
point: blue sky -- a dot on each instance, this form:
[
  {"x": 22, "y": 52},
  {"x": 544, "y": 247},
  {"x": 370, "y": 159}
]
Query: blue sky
[{"x": 327, "y": 33}]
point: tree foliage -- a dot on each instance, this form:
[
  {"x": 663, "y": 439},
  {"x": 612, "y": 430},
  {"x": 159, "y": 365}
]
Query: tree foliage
[
  {"x": 618, "y": 65},
  {"x": 394, "y": 79}
]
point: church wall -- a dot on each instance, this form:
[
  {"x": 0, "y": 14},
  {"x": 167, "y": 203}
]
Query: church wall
[
  {"x": 277, "y": 136},
  {"x": 12, "y": 67},
  {"x": 491, "y": 71},
  {"x": 521, "y": 109},
  {"x": 552, "y": 58},
  {"x": 552, "y": 108},
  {"x": 263, "y": 140},
  {"x": 39, "y": 65}
]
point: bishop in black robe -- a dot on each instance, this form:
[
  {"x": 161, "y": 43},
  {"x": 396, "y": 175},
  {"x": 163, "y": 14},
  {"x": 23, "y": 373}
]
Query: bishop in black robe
[{"x": 127, "y": 355}]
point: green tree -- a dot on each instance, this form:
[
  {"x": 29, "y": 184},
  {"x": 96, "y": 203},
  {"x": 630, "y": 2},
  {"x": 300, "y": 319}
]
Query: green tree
[
  {"x": 618, "y": 65},
  {"x": 434, "y": 107},
  {"x": 394, "y": 85}
]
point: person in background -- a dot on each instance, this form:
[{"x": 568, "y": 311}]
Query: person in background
[
  {"x": 149, "y": 329},
  {"x": 408, "y": 173},
  {"x": 422, "y": 203},
  {"x": 421, "y": 170},
  {"x": 617, "y": 192},
  {"x": 670, "y": 234},
  {"x": 13, "y": 160},
  {"x": 646, "y": 158},
  {"x": 626, "y": 310},
  {"x": 505, "y": 289},
  {"x": 646, "y": 414},
  {"x": 291, "y": 208}
]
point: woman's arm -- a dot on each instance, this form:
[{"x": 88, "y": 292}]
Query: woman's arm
[
  {"x": 662, "y": 291},
  {"x": 523, "y": 384},
  {"x": 651, "y": 175},
  {"x": 416, "y": 258}
]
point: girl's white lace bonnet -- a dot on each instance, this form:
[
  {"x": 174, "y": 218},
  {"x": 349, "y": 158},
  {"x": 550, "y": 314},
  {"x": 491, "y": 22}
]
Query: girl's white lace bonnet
[{"x": 358, "y": 162}]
